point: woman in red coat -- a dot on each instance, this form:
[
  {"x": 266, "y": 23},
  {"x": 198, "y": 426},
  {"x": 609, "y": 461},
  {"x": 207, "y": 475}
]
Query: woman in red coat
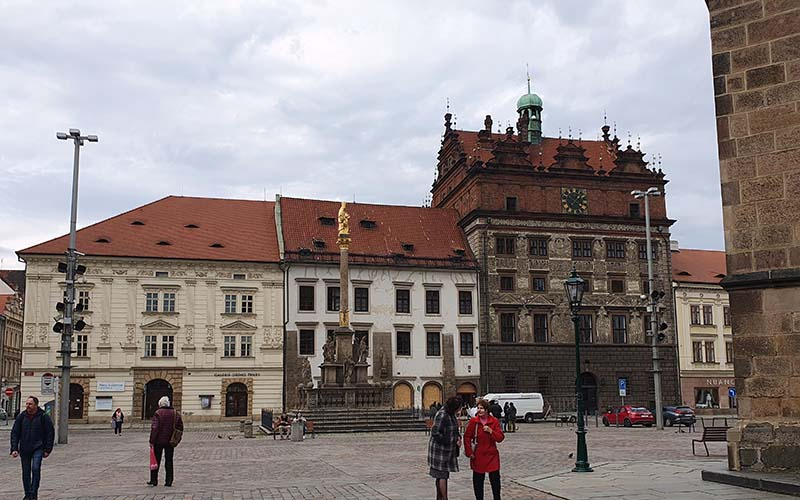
[{"x": 480, "y": 445}]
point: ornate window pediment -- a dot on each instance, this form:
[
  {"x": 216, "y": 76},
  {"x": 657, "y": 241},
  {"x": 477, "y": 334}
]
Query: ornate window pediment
[
  {"x": 159, "y": 325},
  {"x": 237, "y": 325}
]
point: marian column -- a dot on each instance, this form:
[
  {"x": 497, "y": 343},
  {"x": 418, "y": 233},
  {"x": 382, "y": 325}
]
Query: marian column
[{"x": 344, "y": 335}]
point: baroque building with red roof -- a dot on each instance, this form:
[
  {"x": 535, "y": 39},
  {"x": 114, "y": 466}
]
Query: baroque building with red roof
[{"x": 532, "y": 207}]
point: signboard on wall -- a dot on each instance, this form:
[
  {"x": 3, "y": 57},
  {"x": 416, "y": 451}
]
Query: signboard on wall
[
  {"x": 47, "y": 384},
  {"x": 103, "y": 403},
  {"x": 110, "y": 386}
]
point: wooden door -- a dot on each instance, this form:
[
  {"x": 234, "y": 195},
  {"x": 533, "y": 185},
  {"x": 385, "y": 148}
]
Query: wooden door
[
  {"x": 236, "y": 400},
  {"x": 76, "y": 401},
  {"x": 153, "y": 391},
  {"x": 431, "y": 393},
  {"x": 403, "y": 396}
]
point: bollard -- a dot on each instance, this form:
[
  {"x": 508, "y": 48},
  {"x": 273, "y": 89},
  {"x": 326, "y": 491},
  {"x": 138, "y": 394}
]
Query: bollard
[
  {"x": 241, "y": 425},
  {"x": 248, "y": 429},
  {"x": 297, "y": 430}
]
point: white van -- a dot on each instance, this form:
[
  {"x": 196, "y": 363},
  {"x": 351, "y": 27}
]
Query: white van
[{"x": 530, "y": 405}]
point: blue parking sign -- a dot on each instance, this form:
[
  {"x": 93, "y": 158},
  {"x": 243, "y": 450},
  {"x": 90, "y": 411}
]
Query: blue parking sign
[
  {"x": 732, "y": 392},
  {"x": 623, "y": 386}
]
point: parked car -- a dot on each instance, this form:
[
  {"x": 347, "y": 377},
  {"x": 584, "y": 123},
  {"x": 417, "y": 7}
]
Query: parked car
[
  {"x": 629, "y": 416},
  {"x": 681, "y": 415}
]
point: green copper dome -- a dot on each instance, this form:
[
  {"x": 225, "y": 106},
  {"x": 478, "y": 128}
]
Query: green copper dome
[{"x": 529, "y": 101}]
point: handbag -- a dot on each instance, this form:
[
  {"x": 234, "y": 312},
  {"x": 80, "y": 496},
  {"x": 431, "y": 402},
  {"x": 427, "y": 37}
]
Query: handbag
[
  {"x": 177, "y": 434},
  {"x": 153, "y": 463}
]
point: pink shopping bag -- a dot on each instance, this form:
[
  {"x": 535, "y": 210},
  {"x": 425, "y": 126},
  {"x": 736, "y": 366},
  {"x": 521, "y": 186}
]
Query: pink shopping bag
[{"x": 153, "y": 463}]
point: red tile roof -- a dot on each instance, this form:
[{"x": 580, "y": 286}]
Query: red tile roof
[
  {"x": 15, "y": 278},
  {"x": 245, "y": 229},
  {"x": 548, "y": 148},
  {"x": 3, "y": 300},
  {"x": 433, "y": 232},
  {"x": 698, "y": 266}
]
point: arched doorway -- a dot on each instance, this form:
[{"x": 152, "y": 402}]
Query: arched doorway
[
  {"x": 403, "y": 395},
  {"x": 236, "y": 400},
  {"x": 153, "y": 391},
  {"x": 431, "y": 393},
  {"x": 589, "y": 391},
  {"x": 467, "y": 393},
  {"x": 76, "y": 401}
]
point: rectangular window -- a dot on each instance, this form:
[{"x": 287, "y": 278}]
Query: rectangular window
[
  {"x": 81, "y": 346},
  {"x": 695, "y": 313},
  {"x": 168, "y": 299},
  {"x": 540, "y": 328},
  {"x": 510, "y": 382},
  {"x": 511, "y": 203},
  {"x": 306, "y": 343},
  {"x": 646, "y": 287},
  {"x": 616, "y": 285},
  {"x": 402, "y": 300},
  {"x": 643, "y": 250},
  {"x": 431, "y": 301},
  {"x": 151, "y": 302},
  {"x": 229, "y": 346},
  {"x": 508, "y": 327},
  {"x": 710, "y": 354},
  {"x": 162, "y": 274},
  {"x": 587, "y": 283},
  {"x": 729, "y": 352},
  {"x": 505, "y": 245},
  {"x": 619, "y": 326},
  {"x": 150, "y": 342},
  {"x": 585, "y": 328},
  {"x": 230, "y": 303},
  {"x": 507, "y": 283},
  {"x": 726, "y": 316},
  {"x": 538, "y": 283},
  {"x": 361, "y": 299},
  {"x": 334, "y": 297},
  {"x": 247, "y": 304},
  {"x": 582, "y": 249},
  {"x": 537, "y": 247},
  {"x": 239, "y": 276},
  {"x": 708, "y": 315},
  {"x": 306, "y": 298},
  {"x": 467, "y": 344},
  {"x": 634, "y": 210},
  {"x": 246, "y": 346},
  {"x": 697, "y": 352},
  {"x": 83, "y": 299},
  {"x": 615, "y": 249},
  {"x": 433, "y": 344},
  {"x": 403, "y": 343},
  {"x": 168, "y": 346},
  {"x": 464, "y": 302}
]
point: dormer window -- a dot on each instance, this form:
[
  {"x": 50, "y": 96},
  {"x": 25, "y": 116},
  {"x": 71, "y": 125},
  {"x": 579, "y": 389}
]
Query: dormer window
[
  {"x": 368, "y": 224},
  {"x": 319, "y": 244},
  {"x": 216, "y": 245},
  {"x": 327, "y": 221},
  {"x": 191, "y": 226},
  {"x": 305, "y": 253},
  {"x": 511, "y": 203},
  {"x": 102, "y": 240},
  {"x": 408, "y": 247},
  {"x": 459, "y": 251},
  {"x": 137, "y": 223},
  {"x": 163, "y": 243}
]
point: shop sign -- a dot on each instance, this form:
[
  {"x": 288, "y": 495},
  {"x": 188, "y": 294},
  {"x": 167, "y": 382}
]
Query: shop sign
[
  {"x": 110, "y": 386},
  {"x": 238, "y": 374}
]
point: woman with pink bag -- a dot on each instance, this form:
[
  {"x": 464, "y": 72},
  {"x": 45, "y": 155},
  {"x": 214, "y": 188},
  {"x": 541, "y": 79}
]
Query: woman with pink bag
[{"x": 166, "y": 431}]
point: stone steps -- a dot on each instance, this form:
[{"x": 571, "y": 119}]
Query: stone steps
[{"x": 361, "y": 420}]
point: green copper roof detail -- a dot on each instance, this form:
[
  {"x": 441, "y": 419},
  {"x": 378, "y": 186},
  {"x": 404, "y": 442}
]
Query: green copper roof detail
[{"x": 529, "y": 101}]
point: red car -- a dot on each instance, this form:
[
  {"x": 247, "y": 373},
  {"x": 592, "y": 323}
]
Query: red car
[{"x": 629, "y": 416}]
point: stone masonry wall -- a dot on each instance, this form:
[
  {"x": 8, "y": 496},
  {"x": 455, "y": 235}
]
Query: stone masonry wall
[{"x": 756, "y": 66}]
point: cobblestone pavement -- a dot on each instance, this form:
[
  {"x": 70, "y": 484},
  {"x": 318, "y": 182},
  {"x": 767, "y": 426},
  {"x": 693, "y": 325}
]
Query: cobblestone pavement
[{"x": 98, "y": 465}]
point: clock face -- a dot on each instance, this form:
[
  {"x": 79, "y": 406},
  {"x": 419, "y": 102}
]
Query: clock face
[{"x": 574, "y": 200}]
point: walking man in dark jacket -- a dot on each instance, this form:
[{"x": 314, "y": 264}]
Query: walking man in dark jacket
[
  {"x": 165, "y": 421},
  {"x": 32, "y": 440}
]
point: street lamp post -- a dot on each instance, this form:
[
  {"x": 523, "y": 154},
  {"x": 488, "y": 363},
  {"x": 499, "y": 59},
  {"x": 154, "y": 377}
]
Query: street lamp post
[
  {"x": 575, "y": 286},
  {"x": 69, "y": 304},
  {"x": 652, "y": 306}
]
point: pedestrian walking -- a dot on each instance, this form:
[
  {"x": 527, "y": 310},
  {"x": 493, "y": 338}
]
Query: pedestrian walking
[
  {"x": 117, "y": 420},
  {"x": 511, "y": 417},
  {"x": 32, "y": 439},
  {"x": 504, "y": 420},
  {"x": 443, "y": 446},
  {"x": 166, "y": 430},
  {"x": 495, "y": 410},
  {"x": 480, "y": 445}
]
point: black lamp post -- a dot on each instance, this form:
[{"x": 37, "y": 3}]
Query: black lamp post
[{"x": 575, "y": 286}]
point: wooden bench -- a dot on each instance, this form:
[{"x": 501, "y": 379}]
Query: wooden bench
[{"x": 711, "y": 434}]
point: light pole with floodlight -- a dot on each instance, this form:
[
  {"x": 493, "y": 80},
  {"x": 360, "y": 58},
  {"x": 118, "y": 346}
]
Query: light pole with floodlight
[{"x": 575, "y": 287}]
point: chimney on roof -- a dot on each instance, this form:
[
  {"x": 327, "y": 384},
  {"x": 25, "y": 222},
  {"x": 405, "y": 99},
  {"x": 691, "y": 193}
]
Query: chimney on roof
[{"x": 673, "y": 246}]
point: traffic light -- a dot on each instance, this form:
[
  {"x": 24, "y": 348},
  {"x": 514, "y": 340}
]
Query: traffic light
[
  {"x": 656, "y": 295},
  {"x": 661, "y": 335}
]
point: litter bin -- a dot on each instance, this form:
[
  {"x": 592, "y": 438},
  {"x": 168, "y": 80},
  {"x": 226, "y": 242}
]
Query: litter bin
[
  {"x": 297, "y": 430},
  {"x": 248, "y": 429}
]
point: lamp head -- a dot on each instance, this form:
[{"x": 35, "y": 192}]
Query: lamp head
[
  {"x": 74, "y": 132},
  {"x": 61, "y": 135},
  {"x": 575, "y": 287},
  {"x": 91, "y": 138}
]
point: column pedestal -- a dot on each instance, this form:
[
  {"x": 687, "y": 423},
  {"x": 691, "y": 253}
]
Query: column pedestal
[{"x": 360, "y": 376}]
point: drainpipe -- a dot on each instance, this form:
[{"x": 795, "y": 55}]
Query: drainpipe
[
  {"x": 485, "y": 307},
  {"x": 284, "y": 266}
]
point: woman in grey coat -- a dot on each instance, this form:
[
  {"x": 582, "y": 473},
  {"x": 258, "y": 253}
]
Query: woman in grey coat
[{"x": 443, "y": 447}]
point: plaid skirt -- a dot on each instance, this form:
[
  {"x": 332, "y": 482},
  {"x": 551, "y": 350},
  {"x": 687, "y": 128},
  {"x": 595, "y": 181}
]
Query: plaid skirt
[{"x": 439, "y": 474}]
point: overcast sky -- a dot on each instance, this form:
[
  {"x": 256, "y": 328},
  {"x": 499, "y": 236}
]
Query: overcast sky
[{"x": 333, "y": 100}]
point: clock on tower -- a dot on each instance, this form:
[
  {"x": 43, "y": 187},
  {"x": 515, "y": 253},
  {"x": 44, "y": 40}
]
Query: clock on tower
[{"x": 574, "y": 201}]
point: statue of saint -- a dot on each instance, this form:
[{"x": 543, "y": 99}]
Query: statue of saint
[
  {"x": 382, "y": 358},
  {"x": 363, "y": 350},
  {"x": 348, "y": 370},
  {"x": 305, "y": 372},
  {"x": 344, "y": 220},
  {"x": 329, "y": 350}
]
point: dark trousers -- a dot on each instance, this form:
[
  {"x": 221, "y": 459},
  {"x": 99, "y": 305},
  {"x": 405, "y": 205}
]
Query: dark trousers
[
  {"x": 31, "y": 472},
  {"x": 168, "y": 451},
  {"x": 477, "y": 484},
  {"x": 117, "y": 427}
]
